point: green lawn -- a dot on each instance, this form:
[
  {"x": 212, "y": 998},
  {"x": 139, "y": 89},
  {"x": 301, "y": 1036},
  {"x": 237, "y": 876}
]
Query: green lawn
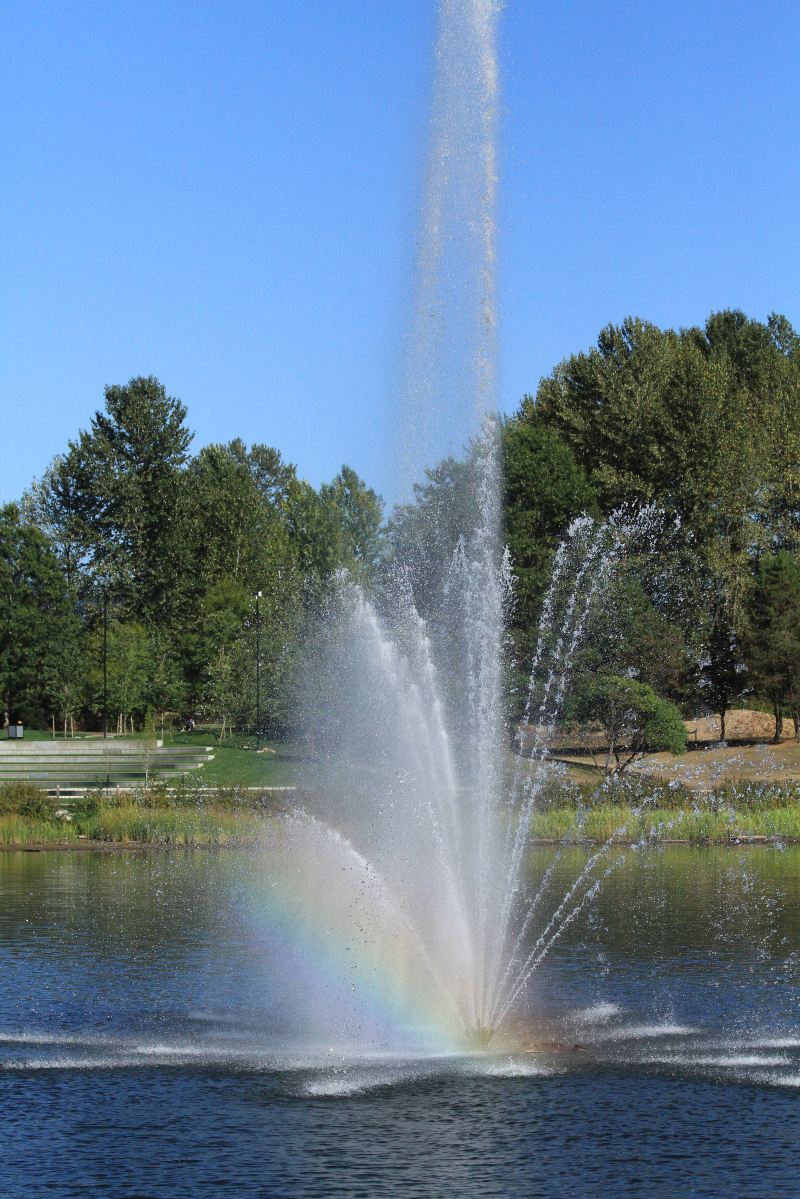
[{"x": 236, "y": 761}]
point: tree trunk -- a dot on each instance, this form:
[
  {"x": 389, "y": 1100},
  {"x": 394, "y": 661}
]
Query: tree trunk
[
  {"x": 722, "y": 716},
  {"x": 778, "y": 710}
]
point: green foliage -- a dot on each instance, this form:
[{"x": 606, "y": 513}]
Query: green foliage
[
  {"x": 25, "y": 799},
  {"x": 633, "y": 719},
  {"x": 544, "y": 489},
  {"x": 423, "y": 535},
  {"x": 774, "y": 635},
  {"x": 705, "y": 424},
  {"x": 355, "y": 513},
  {"x": 627, "y": 636},
  {"x": 696, "y": 421},
  {"x": 726, "y": 678},
  {"x": 126, "y": 530},
  {"x": 702, "y": 423},
  {"x": 119, "y": 484},
  {"x": 38, "y": 627}
]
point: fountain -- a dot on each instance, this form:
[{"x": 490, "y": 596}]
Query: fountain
[{"x": 412, "y": 871}]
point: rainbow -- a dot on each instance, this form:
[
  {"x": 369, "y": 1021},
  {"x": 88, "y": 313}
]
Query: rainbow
[{"x": 320, "y": 914}]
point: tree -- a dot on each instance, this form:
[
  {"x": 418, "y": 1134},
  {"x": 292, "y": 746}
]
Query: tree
[
  {"x": 233, "y": 531},
  {"x": 55, "y": 507},
  {"x": 544, "y": 489},
  {"x": 333, "y": 529},
  {"x": 36, "y": 618},
  {"x": 633, "y": 719},
  {"x": 724, "y": 672},
  {"x": 272, "y": 476},
  {"x": 423, "y": 537},
  {"x": 228, "y": 694},
  {"x": 357, "y": 512},
  {"x": 120, "y": 484},
  {"x": 130, "y": 671},
  {"x": 166, "y": 688},
  {"x": 627, "y": 636},
  {"x": 704, "y": 423},
  {"x": 773, "y": 647},
  {"x": 65, "y": 675}
]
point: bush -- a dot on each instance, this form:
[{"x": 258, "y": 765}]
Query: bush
[{"x": 25, "y": 799}]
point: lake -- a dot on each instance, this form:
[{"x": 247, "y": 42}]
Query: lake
[{"x": 150, "y": 1045}]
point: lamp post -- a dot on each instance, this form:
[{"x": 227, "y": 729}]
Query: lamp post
[
  {"x": 105, "y": 664},
  {"x": 105, "y": 682},
  {"x": 258, "y": 669}
]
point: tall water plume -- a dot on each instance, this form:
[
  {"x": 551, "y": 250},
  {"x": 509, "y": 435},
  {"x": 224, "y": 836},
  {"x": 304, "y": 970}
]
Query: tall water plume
[
  {"x": 451, "y": 353},
  {"x": 417, "y": 846},
  {"x": 450, "y": 398}
]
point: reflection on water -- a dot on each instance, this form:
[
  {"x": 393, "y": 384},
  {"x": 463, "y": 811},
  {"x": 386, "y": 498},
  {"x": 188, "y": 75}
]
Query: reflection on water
[{"x": 145, "y": 1012}]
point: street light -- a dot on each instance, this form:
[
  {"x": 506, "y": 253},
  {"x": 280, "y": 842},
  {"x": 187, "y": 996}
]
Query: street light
[
  {"x": 105, "y": 681},
  {"x": 258, "y": 669},
  {"x": 105, "y": 663}
]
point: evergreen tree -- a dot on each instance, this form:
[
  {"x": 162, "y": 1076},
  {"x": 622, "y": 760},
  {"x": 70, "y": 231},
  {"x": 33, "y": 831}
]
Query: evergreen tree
[
  {"x": 773, "y": 649},
  {"x": 120, "y": 483},
  {"x": 37, "y": 623}
]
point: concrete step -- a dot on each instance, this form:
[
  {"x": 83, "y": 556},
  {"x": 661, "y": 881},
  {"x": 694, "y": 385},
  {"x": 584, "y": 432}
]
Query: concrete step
[
  {"x": 9, "y": 763},
  {"x": 87, "y": 771},
  {"x": 25, "y": 760},
  {"x": 99, "y": 748}
]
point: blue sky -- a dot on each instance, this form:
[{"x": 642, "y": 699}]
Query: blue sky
[{"x": 225, "y": 195}]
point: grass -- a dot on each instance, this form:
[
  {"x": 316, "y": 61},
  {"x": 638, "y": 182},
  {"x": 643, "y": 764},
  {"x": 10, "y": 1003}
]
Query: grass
[
  {"x": 697, "y": 826},
  {"x": 236, "y": 761},
  {"x": 132, "y": 824},
  {"x": 219, "y": 824}
]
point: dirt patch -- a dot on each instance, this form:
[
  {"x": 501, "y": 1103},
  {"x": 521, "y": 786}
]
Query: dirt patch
[
  {"x": 706, "y": 768},
  {"x": 740, "y": 725}
]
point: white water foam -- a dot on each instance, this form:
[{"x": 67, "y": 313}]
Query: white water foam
[
  {"x": 732, "y": 1064},
  {"x": 740, "y": 1060},
  {"x": 644, "y": 1032},
  {"x": 598, "y": 1013},
  {"x": 778, "y": 1080},
  {"x": 71, "y": 1063},
  {"x": 335, "y": 1087},
  {"x": 777, "y": 1042},
  {"x": 36, "y": 1037},
  {"x": 184, "y": 1051},
  {"x": 516, "y": 1068}
]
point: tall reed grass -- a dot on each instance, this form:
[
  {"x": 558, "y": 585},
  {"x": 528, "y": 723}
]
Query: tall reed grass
[
  {"x": 699, "y": 825},
  {"x": 132, "y": 824}
]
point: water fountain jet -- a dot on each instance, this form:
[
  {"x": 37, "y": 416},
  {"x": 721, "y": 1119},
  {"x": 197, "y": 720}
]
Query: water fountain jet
[{"x": 425, "y": 865}]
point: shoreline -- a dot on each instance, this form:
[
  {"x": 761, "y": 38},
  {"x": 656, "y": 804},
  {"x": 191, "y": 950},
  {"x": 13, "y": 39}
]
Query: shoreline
[
  {"x": 95, "y": 846},
  {"x": 138, "y": 828}
]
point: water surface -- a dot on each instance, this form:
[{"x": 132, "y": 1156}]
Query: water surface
[{"x": 150, "y": 1045}]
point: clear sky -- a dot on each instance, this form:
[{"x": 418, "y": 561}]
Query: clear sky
[{"x": 225, "y": 195}]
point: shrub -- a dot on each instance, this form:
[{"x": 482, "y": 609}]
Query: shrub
[{"x": 25, "y": 799}]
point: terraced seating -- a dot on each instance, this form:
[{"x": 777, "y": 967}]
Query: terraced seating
[{"x": 76, "y": 765}]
